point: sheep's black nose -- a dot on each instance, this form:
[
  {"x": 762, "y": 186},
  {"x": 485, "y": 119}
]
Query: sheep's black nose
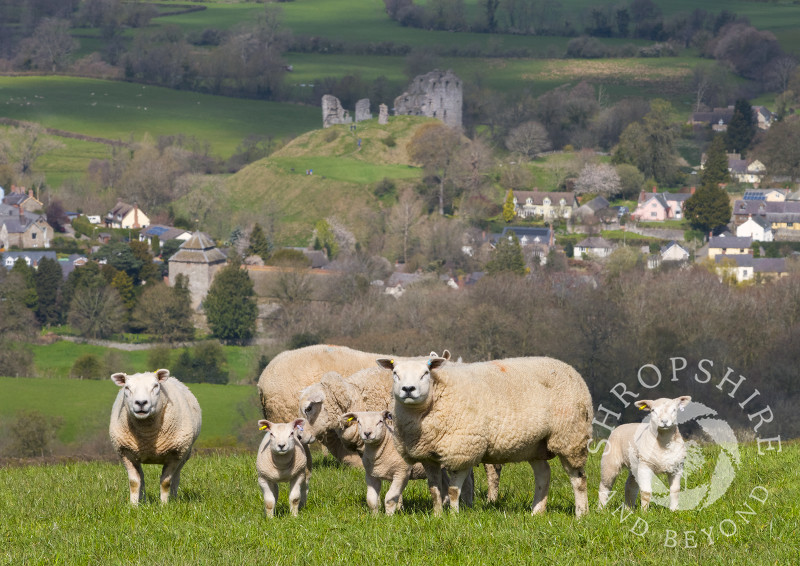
[
  {"x": 408, "y": 388},
  {"x": 367, "y": 434}
]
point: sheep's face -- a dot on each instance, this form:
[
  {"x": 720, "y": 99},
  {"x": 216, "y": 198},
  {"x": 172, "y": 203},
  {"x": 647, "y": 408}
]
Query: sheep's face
[
  {"x": 312, "y": 407},
  {"x": 412, "y": 379},
  {"x": 371, "y": 425},
  {"x": 142, "y": 391},
  {"x": 664, "y": 412},
  {"x": 282, "y": 436}
]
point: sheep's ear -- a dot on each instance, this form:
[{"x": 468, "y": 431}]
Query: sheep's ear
[
  {"x": 264, "y": 424},
  {"x": 645, "y": 405},
  {"x": 683, "y": 400},
  {"x": 386, "y": 363},
  {"x": 434, "y": 363},
  {"x": 299, "y": 424},
  {"x": 347, "y": 420},
  {"x": 387, "y": 416},
  {"x": 446, "y": 355},
  {"x": 162, "y": 374},
  {"x": 119, "y": 378}
]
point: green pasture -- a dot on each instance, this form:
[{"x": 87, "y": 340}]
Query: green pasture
[
  {"x": 345, "y": 169},
  {"x": 85, "y": 406},
  {"x": 123, "y": 111},
  {"x": 78, "y": 513}
]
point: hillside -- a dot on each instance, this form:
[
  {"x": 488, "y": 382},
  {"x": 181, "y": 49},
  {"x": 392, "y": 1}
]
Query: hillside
[{"x": 341, "y": 185}]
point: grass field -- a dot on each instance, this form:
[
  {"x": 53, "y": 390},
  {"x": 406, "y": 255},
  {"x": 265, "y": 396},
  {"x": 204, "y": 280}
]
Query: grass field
[
  {"x": 78, "y": 513},
  {"x": 85, "y": 407}
]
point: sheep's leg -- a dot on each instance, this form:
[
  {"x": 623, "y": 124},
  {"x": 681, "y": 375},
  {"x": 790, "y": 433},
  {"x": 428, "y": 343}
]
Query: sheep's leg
[
  {"x": 170, "y": 478},
  {"x": 335, "y": 447},
  {"x": 304, "y": 491},
  {"x": 493, "y": 481},
  {"x": 674, "y": 489},
  {"x": 135, "y": 479},
  {"x": 631, "y": 490},
  {"x": 307, "y": 450},
  {"x": 434, "y": 474},
  {"x": 608, "y": 475},
  {"x": 644, "y": 477},
  {"x": 296, "y": 493},
  {"x": 457, "y": 479},
  {"x": 541, "y": 478},
  {"x": 467, "y": 496},
  {"x": 270, "y": 490},
  {"x": 373, "y": 494},
  {"x": 394, "y": 497},
  {"x": 577, "y": 477}
]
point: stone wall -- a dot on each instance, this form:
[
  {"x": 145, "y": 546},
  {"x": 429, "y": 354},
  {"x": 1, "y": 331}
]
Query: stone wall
[
  {"x": 362, "y": 110},
  {"x": 333, "y": 113},
  {"x": 438, "y": 94}
]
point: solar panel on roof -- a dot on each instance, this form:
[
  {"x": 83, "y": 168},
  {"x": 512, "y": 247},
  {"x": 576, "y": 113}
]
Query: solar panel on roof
[{"x": 157, "y": 230}]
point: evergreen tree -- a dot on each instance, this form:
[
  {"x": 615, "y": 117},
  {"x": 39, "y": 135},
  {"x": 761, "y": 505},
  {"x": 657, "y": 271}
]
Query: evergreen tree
[
  {"x": 742, "y": 127},
  {"x": 31, "y": 298},
  {"x": 48, "y": 278},
  {"x": 166, "y": 312},
  {"x": 708, "y": 208},
  {"x": 124, "y": 286},
  {"x": 325, "y": 239},
  {"x": 230, "y": 305},
  {"x": 507, "y": 257},
  {"x": 715, "y": 170},
  {"x": 508, "y": 207},
  {"x": 649, "y": 144},
  {"x": 83, "y": 277},
  {"x": 259, "y": 244}
]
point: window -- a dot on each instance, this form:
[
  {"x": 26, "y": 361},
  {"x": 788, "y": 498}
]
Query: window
[
  {"x": 33, "y": 235},
  {"x": 546, "y": 202},
  {"x": 653, "y": 214}
]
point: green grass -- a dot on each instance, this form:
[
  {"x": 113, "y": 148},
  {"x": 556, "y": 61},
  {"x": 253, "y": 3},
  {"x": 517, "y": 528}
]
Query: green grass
[
  {"x": 78, "y": 513},
  {"x": 124, "y": 111},
  {"x": 85, "y": 406},
  {"x": 345, "y": 169}
]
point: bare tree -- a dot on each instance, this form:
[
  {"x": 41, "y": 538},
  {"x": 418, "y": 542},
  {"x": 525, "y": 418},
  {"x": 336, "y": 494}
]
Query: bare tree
[
  {"x": 528, "y": 139},
  {"x": 49, "y": 47},
  {"x": 781, "y": 71},
  {"x": 404, "y": 217},
  {"x": 435, "y": 147},
  {"x": 598, "y": 178}
]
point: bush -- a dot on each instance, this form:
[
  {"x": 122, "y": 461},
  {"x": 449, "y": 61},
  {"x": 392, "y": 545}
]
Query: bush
[
  {"x": 384, "y": 188},
  {"x": 31, "y": 433},
  {"x": 16, "y": 360},
  {"x": 159, "y": 357},
  {"x": 205, "y": 363},
  {"x": 389, "y": 141},
  {"x": 304, "y": 339},
  {"x": 87, "y": 367}
]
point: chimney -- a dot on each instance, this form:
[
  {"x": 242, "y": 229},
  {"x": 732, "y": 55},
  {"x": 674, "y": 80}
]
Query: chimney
[
  {"x": 691, "y": 190},
  {"x": 655, "y": 189},
  {"x": 135, "y": 215},
  {"x": 30, "y": 193}
]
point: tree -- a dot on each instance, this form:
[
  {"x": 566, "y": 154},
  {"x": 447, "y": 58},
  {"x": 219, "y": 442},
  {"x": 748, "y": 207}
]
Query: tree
[
  {"x": 259, "y": 244},
  {"x": 205, "y": 363},
  {"x": 780, "y": 148},
  {"x": 87, "y": 367},
  {"x": 507, "y": 257},
  {"x": 56, "y": 217},
  {"x": 48, "y": 278},
  {"x": 649, "y": 144},
  {"x": 715, "y": 170},
  {"x": 84, "y": 277},
  {"x": 28, "y": 275},
  {"x": 97, "y": 312},
  {"x": 509, "y": 211},
  {"x": 598, "y": 178},
  {"x": 141, "y": 251},
  {"x": 708, "y": 208},
  {"x": 230, "y": 305},
  {"x": 528, "y": 139},
  {"x": 123, "y": 283},
  {"x": 403, "y": 218},
  {"x": 742, "y": 127},
  {"x": 631, "y": 180},
  {"x": 49, "y": 47},
  {"x": 120, "y": 256},
  {"x": 435, "y": 147},
  {"x": 166, "y": 311}
]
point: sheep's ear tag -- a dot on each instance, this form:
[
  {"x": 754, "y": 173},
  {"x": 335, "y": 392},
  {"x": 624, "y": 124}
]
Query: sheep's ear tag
[
  {"x": 430, "y": 362},
  {"x": 643, "y": 407},
  {"x": 681, "y": 408},
  {"x": 300, "y": 428},
  {"x": 262, "y": 427},
  {"x": 350, "y": 419}
]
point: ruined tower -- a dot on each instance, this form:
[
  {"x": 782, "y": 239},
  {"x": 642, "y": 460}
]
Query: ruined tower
[{"x": 438, "y": 94}]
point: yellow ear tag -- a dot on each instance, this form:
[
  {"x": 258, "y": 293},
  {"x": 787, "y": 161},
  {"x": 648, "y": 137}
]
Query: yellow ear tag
[
  {"x": 349, "y": 419},
  {"x": 643, "y": 407},
  {"x": 263, "y": 427},
  {"x": 391, "y": 361}
]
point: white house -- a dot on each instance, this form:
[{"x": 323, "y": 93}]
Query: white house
[
  {"x": 124, "y": 215},
  {"x": 594, "y": 247},
  {"x": 758, "y": 228}
]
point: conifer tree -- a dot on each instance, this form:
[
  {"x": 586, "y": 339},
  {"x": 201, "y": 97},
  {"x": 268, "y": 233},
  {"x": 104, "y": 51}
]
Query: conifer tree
[
  {"x": 230, "y": 305},
  {"x": 508, "y": 207}
]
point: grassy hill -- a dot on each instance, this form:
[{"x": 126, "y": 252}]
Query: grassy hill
[{"x": 341, "y": 185}]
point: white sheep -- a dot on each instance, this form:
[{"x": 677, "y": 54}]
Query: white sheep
[
  {"x": 155, "y": 420},
  {"x": 381, "y": 459},
  {"x": 648, "y": 448},
  {"x": 281, "y": 458},
  {"x": 512, "y": 410}
]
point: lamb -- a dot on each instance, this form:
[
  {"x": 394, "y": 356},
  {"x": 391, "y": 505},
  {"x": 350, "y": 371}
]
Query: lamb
[
  {"x": 652, "y": 447},
  {"x": 512, "y": 410},
  {"x": 281, "y": 458},
  {"x": 155, "y": 420},
  {"x": 381, "y": 459}
]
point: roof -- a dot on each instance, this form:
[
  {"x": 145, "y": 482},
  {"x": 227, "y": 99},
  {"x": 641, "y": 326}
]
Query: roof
[
  {"x": 737, "y": 165},
  {"x": 659, "y": 197},
  {"x": 729, "y": 242},
  {"x": 198, "y": 249},
  {"x": 163, "y": 233},
  {"x": 537, "y": 197},
  {"x": 759, "y": 264},
  {"x": 760, "y": 194},
  {"x": 754, "y": 207},
  {"x": 594, "y": 242},
  {"x": 761, "y": 221},
  {"x": 34, "y": 256},
  {"x": 713, "y": 117},
  {"x": 597, "y": 203},
  {"x": 531, "y": 235},
  {"x": 673, "y": 243},
  {"x": 398, "y": 278}
]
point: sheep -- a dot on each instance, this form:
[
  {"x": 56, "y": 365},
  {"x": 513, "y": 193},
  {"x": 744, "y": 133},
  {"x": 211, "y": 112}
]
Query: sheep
[
  {"x": 512, "y": 410},
  {"x": 652, "y": 447},
  {"x": 281, "y": 458},
  {"x": 155, "y": 420},
  {"x": 289, "y": 372},
  {"x": 381, "y": 459}
]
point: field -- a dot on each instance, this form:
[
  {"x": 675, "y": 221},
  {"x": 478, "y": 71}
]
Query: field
[{"x": 78, "y": 513}]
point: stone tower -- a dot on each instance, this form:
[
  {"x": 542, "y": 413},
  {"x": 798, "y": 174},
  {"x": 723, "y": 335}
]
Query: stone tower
[
  {"x": 199, "y": 260},
  {"x": 438, "y": 94}
]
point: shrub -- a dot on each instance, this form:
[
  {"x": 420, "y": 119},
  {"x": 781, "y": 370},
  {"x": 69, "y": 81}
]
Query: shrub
[
  {"x": 389, "y": 141},
  {"x": 87, "y": 367},
  {"x": 159, "y": 357},
  {"x": 31, "y": 433},
  {"x": 304, "y": 339}
]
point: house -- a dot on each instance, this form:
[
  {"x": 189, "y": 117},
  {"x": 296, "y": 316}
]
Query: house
[
  {"x": 758, "y": 229},
  {"x": 32, "y": 258},
  {"x": 164, "y": 233},
  {"x": 594, "y": 247},
  {"x": 398, "y": 282},
  {"x": 783, "y": 216},
  {"x": 748, "y": 268},
  {"x": 719, "y": 118},
  {"x": 672, "y": 253},
  {"x": 657, "y": 207},
  {"x": 23, "y": 200},
  {"x": 595, "y": 208},
  {"x": 729, "y": 246},
  {"x": 544, "y": 204},
  {"x": 23, "y": 229},
  {"x": 124, "y": 215},
  {"x": 745, "y": 170},
  {"x": 766, "y": 195},
  {"x": 535, "y": 241}
]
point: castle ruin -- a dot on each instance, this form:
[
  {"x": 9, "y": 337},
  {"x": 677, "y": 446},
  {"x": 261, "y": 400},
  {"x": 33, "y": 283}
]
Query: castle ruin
[
  {"x": 438, "y": 94},
  {"x": 332, "y": 112}
]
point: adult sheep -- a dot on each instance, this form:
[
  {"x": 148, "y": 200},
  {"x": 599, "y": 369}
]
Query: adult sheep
[
  {"x": 512, "y": 410},
  {"x": 155, "y": 420}
]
